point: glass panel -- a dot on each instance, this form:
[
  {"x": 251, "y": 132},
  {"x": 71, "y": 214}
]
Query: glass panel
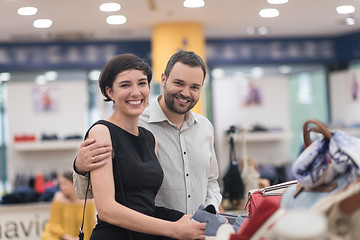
[{"x": 308, "y": 98}]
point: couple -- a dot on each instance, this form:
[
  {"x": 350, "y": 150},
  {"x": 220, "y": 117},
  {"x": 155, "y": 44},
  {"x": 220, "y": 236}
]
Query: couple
[{"x": 123, "y": 158}]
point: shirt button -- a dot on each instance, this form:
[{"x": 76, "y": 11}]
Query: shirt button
[
  {"x": 187, "y": 174},
  {"x": 188, "y": 196},
  {"x": 184, "y": 152}
]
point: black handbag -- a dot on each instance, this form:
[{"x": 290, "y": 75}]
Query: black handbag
[{"x": 233, "y": 184}]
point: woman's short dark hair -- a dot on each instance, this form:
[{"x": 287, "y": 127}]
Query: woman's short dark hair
[
  {"x": 119, "y": 64},
  {"x": 186, "y": 57}
]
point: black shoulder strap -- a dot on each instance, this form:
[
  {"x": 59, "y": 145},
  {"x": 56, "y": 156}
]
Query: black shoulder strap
[{"x": 81, "y": 233}]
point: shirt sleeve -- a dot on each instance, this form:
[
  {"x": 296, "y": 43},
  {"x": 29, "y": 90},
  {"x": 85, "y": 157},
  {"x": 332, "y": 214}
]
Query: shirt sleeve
[
  {"x": 80, "y": 185},
  {"x": 213, "y": 195}
]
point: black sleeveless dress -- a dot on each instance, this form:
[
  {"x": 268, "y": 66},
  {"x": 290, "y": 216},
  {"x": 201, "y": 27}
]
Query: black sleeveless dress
[{"x": 137, "y": 177}]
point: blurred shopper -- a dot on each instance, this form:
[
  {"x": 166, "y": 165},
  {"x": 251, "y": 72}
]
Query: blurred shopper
[
  {"x": 185, "y": 140},
  {"x": 66, "y": 213}
]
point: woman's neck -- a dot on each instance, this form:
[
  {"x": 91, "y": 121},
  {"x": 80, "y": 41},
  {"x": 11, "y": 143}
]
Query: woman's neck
[{"x": 128, "y": 124}]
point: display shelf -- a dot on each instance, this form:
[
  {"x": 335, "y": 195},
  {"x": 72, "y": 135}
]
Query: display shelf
[
  {"x": 266, "y": 136},
  {"x": 49, "y": 145}
]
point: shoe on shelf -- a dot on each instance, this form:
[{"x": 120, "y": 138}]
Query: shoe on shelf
[{"x": 209, "y": 216}]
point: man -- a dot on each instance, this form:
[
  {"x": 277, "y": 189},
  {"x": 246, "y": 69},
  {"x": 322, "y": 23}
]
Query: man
[{"x": 185, "y": 140}]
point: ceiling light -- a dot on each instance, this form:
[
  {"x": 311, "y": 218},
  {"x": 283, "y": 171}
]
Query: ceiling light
[
  {"x": 257, "y": 72},
  {"x": 194, "y": 3},
  {"x": 5, "y": 76},
  {"x": 110, "y": 7},
  {"x": 116, "y": 19},
  {"x": 285, "y": 69},
  {"x": 350, "y": 21},
  {"x": 42, "y": 23},
  {"x": 250, "y": 30},
  {"x": 51, "y": 75},
  {"x": 218, "y": 73},
  {"x": 262, "y": 30},
  {"x": 277, "y": 1},
  {"x": 94, "y": 75},
  {"x": 345, "y": 9},
  {"x": 40, "y": 80},
  {"x": 27, "y": 11},
  {"x": 269, "y": 13}
]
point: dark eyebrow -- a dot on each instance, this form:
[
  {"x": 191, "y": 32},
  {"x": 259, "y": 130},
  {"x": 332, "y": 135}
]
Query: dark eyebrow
[
  {"x": 198, "y": 85},
  {"x": 176, "y": 79},
  {"x": 139, "y": 80},
  {"x": 124, "y": 81},
  {"x": 182, "y": 81}
]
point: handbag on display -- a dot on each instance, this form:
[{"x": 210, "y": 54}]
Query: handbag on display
[
  {"x": 326, "y": 165},
  {"x": 271, "y": 194},
  {"x": 233, "y": 184},
  {"x": 342, "y": 211}
]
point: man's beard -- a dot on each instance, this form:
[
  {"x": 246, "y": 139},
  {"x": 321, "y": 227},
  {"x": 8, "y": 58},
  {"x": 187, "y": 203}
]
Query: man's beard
[{"x": 171, "y": 105}]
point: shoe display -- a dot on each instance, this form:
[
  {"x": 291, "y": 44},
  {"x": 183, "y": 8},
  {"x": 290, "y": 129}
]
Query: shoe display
[{"x": 209, "y": 216}]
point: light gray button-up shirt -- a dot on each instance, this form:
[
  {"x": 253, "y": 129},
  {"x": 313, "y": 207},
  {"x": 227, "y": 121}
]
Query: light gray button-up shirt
[{"x": 187, "y": 157}]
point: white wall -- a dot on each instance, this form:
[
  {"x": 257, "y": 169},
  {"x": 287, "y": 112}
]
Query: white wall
[
  {"x": 273, "y": 112},
  {"x": 344, "y": 109},
  {"x": 70, "y": 117}
]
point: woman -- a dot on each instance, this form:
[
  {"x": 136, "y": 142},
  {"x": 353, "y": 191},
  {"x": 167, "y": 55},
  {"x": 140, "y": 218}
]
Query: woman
[
  {"x": 125, "y": 187},
  {"x": 66, "y": 213}
]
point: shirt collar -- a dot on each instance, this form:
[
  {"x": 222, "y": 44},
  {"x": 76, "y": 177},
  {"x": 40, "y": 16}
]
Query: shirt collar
[{"x": 156, "y": 114}]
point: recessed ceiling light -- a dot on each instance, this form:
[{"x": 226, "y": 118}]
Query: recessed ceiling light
[
  {"x": 263, "y": 30},
  {"x": 277, "y": 1},
  {"x": 218, "y": 73},
  {"x": 51, "y": 75},
  {"x": 269, "y": 13},
  {"x": 193, "y": 3},
  {"x": 285, "y": 69},
  {"x": 110, "y": 7},
  {"x": 27, "y": 11},
  {"x": 94, "y": 75},
  {"x": 345, "y": 9},
  {"x": 257, "y": 72},
  {"x": 350, "y": 21},
  {"x": 5, "y": 76},
  {"x": 40, "y": 80},
  {"x": 116, "y": 19},
  {"x": 250, "y": 30},
  {"x": 42, "y": 23}
]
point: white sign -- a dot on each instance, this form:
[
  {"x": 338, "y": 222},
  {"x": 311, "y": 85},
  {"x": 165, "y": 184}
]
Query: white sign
[{"x": 23, "y": 221}]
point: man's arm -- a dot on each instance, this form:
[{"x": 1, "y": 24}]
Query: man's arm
[{"x": 91, "y": 156}]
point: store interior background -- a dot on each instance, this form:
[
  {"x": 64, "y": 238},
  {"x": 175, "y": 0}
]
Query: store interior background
[{"x": 302, "y": 69}]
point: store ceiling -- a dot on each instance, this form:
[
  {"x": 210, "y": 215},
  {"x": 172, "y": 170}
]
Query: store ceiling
[{"x": 82, "y": 20}]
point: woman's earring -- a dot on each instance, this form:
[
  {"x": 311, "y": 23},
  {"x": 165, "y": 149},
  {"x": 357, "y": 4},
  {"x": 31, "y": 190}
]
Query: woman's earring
[{"x": 113, "y": 106}]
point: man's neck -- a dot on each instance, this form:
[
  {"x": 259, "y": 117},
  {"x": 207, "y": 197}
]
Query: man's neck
[{"x": 175, "y": 118}]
